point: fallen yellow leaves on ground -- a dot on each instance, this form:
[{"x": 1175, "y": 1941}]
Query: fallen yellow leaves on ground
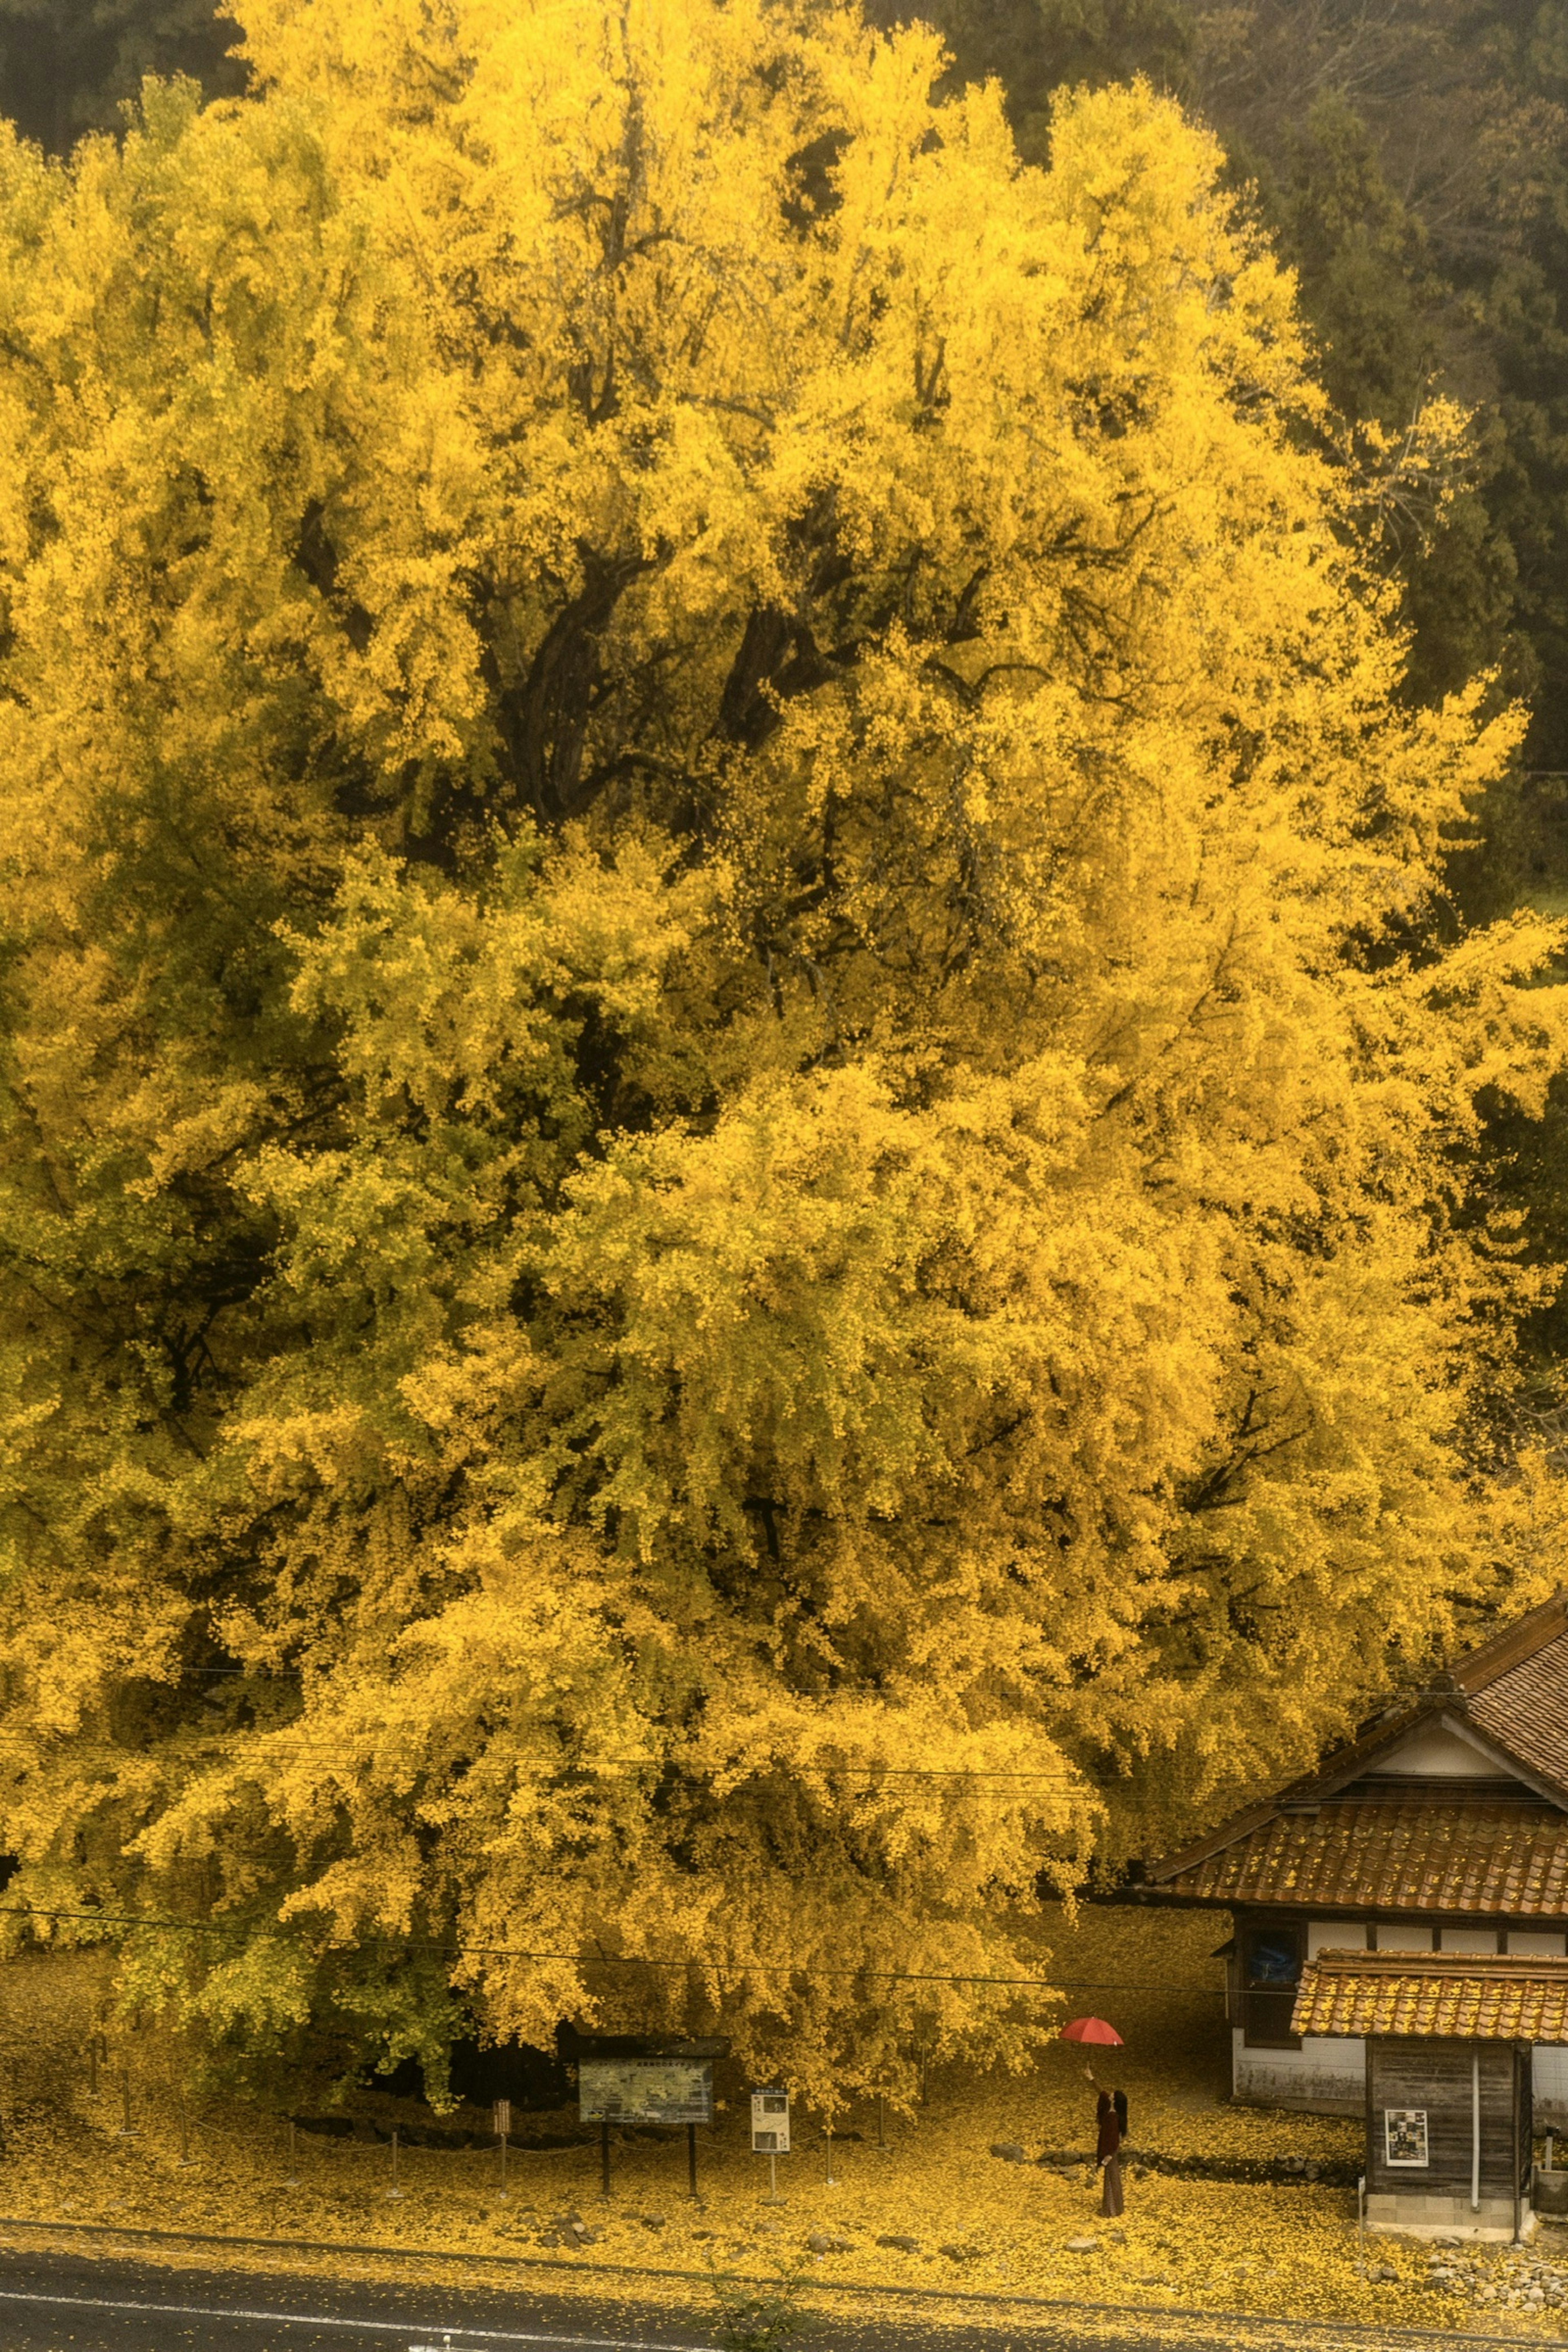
[{"x": 932, "y": 2209}]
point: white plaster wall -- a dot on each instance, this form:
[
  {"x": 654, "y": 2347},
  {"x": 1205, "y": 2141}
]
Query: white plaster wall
[
  {"x": 1535, "y": 1940},
  {"x": 1468, "y": 1939},
  {"x": 1549, "y": 2083},
  {"x": 1334, "y": 1935},
  {"x": 1446, "y": 1754},
  {"x": 1326, "y": 2067}
]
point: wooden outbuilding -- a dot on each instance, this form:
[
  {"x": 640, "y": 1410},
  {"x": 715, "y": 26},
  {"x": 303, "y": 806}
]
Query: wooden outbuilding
[
  {"x": 1442, "y": 1829},
  {"x": 1448, "y": 2039}
]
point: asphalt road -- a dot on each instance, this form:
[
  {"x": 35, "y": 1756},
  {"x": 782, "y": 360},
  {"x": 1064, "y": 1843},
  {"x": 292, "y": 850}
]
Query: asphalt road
[
  {"x": 80, "y": 2302},
  {"x": 86, "y": 2303}
]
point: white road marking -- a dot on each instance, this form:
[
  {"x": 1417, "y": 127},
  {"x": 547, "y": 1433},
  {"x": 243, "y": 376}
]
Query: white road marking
[{"x": 319, "y": 2319}]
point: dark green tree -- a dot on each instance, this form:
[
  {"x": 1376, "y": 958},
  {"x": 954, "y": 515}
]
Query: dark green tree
[
  {"x": 68, "y": 66},
  {"x": 1035, "y": 48}
]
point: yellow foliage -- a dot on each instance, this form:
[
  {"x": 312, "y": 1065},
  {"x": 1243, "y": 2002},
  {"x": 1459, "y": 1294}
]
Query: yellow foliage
[{"x": 739, "y": 1193}]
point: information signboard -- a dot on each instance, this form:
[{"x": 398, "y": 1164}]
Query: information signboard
[
  {"x": 645, "y": 2090},
  {"x": 770, "y": 2123},
  {"x": 1404, "y": 2137}
]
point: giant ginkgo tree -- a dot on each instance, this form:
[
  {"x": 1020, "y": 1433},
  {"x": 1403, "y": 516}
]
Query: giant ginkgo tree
[{"x": 736, "y": 1196}]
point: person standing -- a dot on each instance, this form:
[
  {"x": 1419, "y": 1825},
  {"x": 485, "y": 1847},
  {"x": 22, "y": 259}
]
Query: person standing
[{"x": 1111, "y": 2113}]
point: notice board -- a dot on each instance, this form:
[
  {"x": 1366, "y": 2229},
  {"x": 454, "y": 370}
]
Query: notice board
[{"x": 645, "y": 2090}]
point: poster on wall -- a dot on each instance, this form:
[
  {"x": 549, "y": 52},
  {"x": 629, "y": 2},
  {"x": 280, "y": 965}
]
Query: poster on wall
[
  {"x": 1404, "y": 2137},
  {"x": 645, "y": 2090}
]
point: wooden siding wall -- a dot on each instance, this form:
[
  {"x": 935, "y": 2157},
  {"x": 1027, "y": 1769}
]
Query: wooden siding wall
[{"x": 1435, "y": 2076}]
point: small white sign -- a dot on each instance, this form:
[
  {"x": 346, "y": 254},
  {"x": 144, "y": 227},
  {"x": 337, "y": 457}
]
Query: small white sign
[
  {"x": 770, "y": 2123},
  {"x": 503, "y": 2117}
]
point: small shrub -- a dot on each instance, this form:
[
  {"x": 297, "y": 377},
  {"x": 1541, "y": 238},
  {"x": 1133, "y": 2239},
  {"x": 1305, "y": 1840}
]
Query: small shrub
[{"x": 755, "y": 2317}]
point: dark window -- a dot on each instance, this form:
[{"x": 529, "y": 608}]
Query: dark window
[{"x": 1270, "y": 1973}]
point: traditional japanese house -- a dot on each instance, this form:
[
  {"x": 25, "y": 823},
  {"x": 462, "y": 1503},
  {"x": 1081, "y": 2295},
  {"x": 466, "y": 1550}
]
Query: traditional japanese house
[
  {"x": 1442, "y": 1829},
  {"x": 1449, "y": 2039}
]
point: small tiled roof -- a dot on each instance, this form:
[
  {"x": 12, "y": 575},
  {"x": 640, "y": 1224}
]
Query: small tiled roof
[
  {"x": 1485, "y": 1858},
  {"x": 1434, "y": 1994}
]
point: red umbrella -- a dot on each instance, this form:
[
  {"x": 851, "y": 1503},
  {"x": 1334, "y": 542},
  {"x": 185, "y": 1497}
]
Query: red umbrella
[{"x": 1090, "y": 2029}]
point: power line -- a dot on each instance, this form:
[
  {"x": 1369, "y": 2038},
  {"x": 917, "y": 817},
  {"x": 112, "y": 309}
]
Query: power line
[
  {"x": 623, "y": 1959},
  {"x": 268, "y": 1746}
]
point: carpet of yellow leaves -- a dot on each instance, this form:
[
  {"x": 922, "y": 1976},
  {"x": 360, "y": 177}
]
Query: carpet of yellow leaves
[{"x": 975, "y": 2225}]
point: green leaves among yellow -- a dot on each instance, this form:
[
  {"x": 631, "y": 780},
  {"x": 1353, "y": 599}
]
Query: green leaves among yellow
[{"x": 736, "y": 1184}]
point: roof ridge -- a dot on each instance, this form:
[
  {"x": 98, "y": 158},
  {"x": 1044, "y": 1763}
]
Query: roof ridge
[
  {"x": 1512, "y": 1645},
  {"x": 1348, "y": 1962}
]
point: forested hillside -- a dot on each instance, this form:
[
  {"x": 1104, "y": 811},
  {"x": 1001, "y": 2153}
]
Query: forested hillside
[
  {"x": 750, "y": 1157},
  {"x": 71, "y": 66}
]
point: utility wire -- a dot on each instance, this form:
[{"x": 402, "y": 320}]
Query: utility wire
[
  {"x": 622, "y": 1959},
  {"x": 270, "y": 1746}
]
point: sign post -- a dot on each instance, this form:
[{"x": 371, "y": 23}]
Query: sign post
[
  {"x": 635, "y": 2079},
  {"x": 770, "y": 2135},
  {"x": 503, "y": 2125}
]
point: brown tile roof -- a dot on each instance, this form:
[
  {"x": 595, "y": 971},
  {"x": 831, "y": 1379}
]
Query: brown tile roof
[
  {"x": 1520, "y": 1639},
  {"x": 1525, "y": 1708},
  {"x": 1422, "y": 1856},
  {"x": 1432, "y": 1994},
  {"x": 1511, "y": 1692}
]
